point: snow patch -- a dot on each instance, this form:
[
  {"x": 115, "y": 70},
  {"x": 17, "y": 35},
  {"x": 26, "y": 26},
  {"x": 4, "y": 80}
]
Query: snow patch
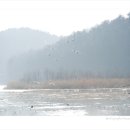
[{"x": 2, "y": 87}]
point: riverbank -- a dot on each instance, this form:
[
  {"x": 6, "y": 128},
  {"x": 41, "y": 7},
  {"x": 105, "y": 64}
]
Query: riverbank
[{"x": 72, "y": 84}]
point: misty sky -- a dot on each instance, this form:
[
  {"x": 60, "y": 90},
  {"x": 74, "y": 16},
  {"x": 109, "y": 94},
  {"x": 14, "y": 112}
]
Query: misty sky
[{"x": 60, "y": 17}]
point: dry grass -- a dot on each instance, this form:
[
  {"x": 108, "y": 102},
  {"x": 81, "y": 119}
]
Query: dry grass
[
  {"x": 73, "y": 84},
  {"x": 89, "y": 83}
]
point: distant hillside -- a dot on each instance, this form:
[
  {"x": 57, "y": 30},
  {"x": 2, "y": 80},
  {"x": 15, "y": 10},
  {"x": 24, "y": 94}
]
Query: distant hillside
[
  {"x": 16, "y": 41},
  {"x": 102, "y": 51}
]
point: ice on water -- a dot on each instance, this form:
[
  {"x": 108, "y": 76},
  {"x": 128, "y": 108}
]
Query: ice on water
[{"x": 64, "y": 102}]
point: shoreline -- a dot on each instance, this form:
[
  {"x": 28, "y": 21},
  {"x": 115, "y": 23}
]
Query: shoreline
[{"x": 94, "y": 83}]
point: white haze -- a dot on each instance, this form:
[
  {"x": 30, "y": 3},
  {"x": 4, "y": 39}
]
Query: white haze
[{"x": 60, "y": 17}]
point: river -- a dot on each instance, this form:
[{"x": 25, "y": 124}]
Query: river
[{"x": 65, "y": 102}]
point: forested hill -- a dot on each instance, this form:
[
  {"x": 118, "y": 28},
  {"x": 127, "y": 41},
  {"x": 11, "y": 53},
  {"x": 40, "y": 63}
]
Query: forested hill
[
  {"x": 16, "y": 41},
  {"x": 103, "y": 51}
]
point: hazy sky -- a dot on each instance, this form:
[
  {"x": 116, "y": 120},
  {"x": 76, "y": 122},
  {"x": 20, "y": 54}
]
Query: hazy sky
[{"x": 60, "y": 17}]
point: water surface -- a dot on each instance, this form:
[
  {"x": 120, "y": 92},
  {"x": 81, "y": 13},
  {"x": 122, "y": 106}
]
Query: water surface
[{"x": 65, "y": 102}]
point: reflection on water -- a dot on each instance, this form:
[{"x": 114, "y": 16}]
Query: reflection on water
[{"x": 65, "y": 102}]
